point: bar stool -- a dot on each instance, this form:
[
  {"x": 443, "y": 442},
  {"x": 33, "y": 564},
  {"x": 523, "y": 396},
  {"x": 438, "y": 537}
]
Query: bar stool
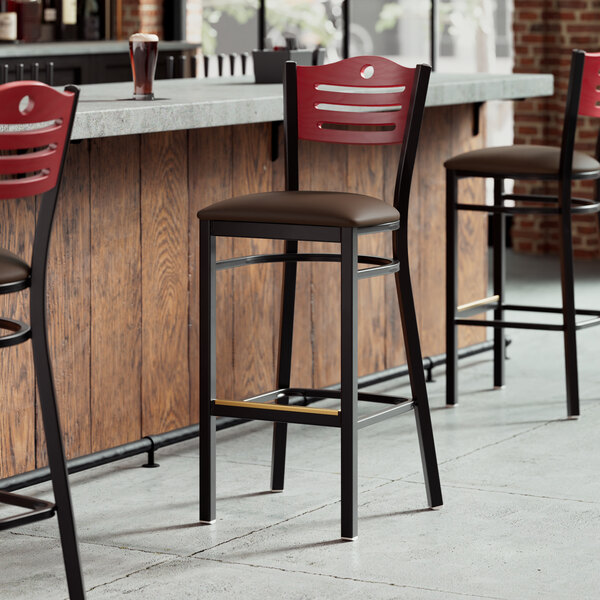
[
  {"x": 362, "y": 100},
  {"x": 523, "y": 162},
  {"x": 31, "y": 163}
]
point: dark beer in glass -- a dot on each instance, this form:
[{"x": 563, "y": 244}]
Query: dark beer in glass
[{"x": 143, "y": 52}]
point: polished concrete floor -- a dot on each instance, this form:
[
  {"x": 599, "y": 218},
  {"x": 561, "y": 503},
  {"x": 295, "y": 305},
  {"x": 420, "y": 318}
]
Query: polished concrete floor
[{"x": 521, "y": 485}]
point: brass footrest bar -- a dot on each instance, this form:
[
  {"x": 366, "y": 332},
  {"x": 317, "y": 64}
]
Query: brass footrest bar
[
  {"x": 496, "y": 324},
  {"x": 386, "y": 414},
  {"x": 282, "y": 413},
  {"x": 38, "y": 510},
  {"x": 478, "y": 306}
]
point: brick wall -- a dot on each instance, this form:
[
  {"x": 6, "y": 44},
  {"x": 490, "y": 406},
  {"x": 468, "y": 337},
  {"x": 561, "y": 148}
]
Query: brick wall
[
  {"x": 142, "y": 15},
  {"x": 545, "y": 32}
]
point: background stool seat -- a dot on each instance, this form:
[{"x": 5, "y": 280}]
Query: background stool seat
[
  {"x": 523, "y": 161},
  {"x": 12, "y": 268},
  {"x": 335, "y": 209}
]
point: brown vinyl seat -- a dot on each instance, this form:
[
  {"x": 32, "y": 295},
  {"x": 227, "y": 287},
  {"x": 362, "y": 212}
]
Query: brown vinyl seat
[
  {"x": 327, "y": 209},
  {"x": 12, "y": 268},
  {"x": 525, "y": 161}
]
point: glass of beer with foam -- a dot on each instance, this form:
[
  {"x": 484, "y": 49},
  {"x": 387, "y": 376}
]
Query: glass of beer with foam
[{"x": 143, "y": 52}]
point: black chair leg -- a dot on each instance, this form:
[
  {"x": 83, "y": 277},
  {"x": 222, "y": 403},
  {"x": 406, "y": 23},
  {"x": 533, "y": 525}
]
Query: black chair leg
[
  {"x": 284, "y": 366},
  {"x": 499, "y": 252},
  {"x": 55, "y": 448},
  {"x": 417, "y": 373},
  {"x": 568, "y": 298},
  {"x": 207, "y": 279},
  {"x": 451, "y": 289},
  {"x": 349, "y": 383}
]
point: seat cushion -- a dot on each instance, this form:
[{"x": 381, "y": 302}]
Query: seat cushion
[
  {"x": 329, "y": 209},
  {"x": 522, "y": 160},
  {"x": 12, "y": 268}
]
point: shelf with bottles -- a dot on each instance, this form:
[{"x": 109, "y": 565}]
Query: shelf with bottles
[{"x": 54, "y": 20}]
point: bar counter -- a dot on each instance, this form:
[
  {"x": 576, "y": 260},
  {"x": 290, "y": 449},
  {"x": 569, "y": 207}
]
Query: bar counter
[{"x": 122, "y": 276}]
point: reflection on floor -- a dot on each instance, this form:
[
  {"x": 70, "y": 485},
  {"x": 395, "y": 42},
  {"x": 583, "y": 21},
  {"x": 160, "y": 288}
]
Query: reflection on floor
[{"x": 521, "y": 485}]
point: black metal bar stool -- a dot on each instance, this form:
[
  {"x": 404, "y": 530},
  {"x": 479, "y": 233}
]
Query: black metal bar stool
[
  {"x": 526, "y": 162},
  {"x": 31, "y": 163},
  {"x": 362, "y": 100}
]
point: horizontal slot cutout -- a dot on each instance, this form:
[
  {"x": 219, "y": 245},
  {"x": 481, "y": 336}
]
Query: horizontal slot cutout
[
  {"x": 345, "y": 89},
  {"x": 350, "y": 127},
  {"x": 358, "y": 108}
]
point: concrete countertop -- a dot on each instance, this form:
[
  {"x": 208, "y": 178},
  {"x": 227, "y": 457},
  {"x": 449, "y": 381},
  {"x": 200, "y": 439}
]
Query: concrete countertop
[
  {"x": 107, "y": 109},
  {"x": 44, "y": 49}
]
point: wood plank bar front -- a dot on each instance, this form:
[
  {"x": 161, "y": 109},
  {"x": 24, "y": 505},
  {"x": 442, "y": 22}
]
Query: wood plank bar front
[{"x": 123, "y": 297}]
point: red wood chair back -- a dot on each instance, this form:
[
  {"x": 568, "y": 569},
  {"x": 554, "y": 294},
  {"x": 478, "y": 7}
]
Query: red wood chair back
[
  {"x": 35, "y": 122},
  {"x": 589, "y": 101},
  {"x": 361, "y": 100}
]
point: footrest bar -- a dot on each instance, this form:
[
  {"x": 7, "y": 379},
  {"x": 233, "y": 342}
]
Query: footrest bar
[
  {"x": 386, "y": 414},
  {"x": 588, "y": 323},
  {"x": 549, "y": 309},
  {"x": 496, "y": 324},
  {"x": 478, "y": 306},
  {"x": 37, "y": 510},
  {"x": 282, "y": 413}
]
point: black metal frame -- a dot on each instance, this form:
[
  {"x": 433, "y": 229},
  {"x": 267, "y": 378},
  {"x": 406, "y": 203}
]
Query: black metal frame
[
  {"x": 62, "y": 507},
  {"x": 563, "y": 205},
  {"x": 275, "y": 405}
]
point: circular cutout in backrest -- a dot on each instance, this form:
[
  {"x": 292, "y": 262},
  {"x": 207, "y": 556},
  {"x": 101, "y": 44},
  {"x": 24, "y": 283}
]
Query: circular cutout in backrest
[
  {"x": 367, "y": 71},
  {"x": 26, "y": 105}
]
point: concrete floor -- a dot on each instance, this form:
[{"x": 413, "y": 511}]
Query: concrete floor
[{"x": 522, "y": 498}]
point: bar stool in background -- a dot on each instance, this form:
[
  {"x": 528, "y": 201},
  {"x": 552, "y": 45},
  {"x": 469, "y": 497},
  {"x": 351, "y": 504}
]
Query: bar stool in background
[
  {"x": 526, "y": 162},
  {"x": 319, "y": 103},
  {"x": 31, "y": 163}
]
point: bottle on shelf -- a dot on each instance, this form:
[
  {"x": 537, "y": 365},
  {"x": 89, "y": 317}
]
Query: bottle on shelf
[
  {"x": 67, "y": 19},
  {"x": 8, "y": 22},
  {"x": 29, "y": 19},
  {"x": 49, "y": 21},
  {"x": 91, "y": 19}
]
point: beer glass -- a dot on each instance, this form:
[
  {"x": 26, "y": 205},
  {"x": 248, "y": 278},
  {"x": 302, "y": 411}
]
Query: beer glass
[{"x": 143, "y": 52}]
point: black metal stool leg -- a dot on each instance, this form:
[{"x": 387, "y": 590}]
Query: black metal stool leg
[
  {"x": 451, "y": 288},
  {"x": 568, "y": 298},
  {"x": 349, "y": 382},
  {"x": 499, "y": 251},
  {"x": 416, "y": 372},
  {"x": 207, "y": 278},
  {"x": 54, "y": 444},
  {"x": 284, "y": 365}
]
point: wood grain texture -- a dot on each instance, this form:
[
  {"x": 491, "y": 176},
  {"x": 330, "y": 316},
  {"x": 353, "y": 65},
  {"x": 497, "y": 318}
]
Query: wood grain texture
[
  {"x": 119, "y": 299},
  {"x": 428, "y": 213},
  {"x": 116, "y": 306},
  {"x": 324, "y": 167},
  {"x": 164, "y": 225},
  {"x": 17, "y": 394},
  {"x": 68, "y": 306},
  {"x": 256, "y": 289},
  {"x": 395, "y": 353},
  {"x": 472, "y": 226},
  {"x": 365, "y": 176},
  {"x": 210, "y": 180}
]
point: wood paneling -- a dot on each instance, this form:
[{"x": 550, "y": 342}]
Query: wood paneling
[
  {"x": 256, "y": 289},
  {"x": 17, "y": 404},
  {"x": 210, "y": 180},
  {"x": 164, "y": 228},
  {"x": 116, "y": 302},
  {"x": 68, "y": 305},
  {"x": 123, "y": 287}
]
